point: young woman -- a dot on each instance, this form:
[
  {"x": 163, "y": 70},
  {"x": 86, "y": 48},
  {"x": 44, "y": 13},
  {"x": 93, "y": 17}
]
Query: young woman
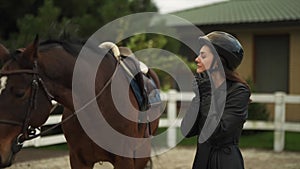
[{"x": 219, "y": 109}]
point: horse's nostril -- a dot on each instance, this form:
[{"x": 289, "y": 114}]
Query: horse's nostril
[
  {"x": 4, "y": 164},
  {"x": 0, "y": 162}
]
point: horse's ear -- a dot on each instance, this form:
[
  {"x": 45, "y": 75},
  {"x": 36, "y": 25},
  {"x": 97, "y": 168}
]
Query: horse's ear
[
  {"x": 4, "y": 54},
  {"x": 30, "y": 53}
]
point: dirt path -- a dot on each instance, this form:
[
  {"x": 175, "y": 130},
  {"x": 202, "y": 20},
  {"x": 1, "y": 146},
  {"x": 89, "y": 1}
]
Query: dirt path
[{"x": 177, "y": 158}]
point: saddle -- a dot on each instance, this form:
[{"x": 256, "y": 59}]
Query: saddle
[
  {"x": 137, "y": 72},
  {"x": 141, "y": 82},
  {"x": 144, "y": 88}
]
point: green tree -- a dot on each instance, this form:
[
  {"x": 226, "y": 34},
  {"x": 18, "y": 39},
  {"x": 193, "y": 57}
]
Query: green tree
[
  {"x": 165, "y": 59},
  {"x": 51, "y": 18},
  {"x": 12, "y": 10},
  {"x": 45, "y": 24}
]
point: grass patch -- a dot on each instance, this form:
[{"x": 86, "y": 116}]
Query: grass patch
[
  {"x": 265, "y": 139},
  {"x": 292, "y": 140},
  {"x": 188, "y": 142},
  {"x": 59, "y": 147},
  {"x": 260, "y": 140},
  {"x": 253, "y": 139}
]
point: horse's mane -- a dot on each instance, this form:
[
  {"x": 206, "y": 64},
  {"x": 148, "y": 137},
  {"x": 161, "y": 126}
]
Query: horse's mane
[{"x": 73, "y": 47}]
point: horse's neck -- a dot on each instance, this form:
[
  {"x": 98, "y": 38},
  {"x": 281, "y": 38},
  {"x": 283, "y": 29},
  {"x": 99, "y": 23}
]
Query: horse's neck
[
  {"x": 60, "y": 69},
  {"x": 65, "y": 99},
  {"x": 58, "y": 66},
  {"x": 106, "y": 70}
]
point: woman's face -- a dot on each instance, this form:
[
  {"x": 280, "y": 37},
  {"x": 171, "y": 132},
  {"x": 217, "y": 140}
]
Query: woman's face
[{"x": 204, "y": 59}]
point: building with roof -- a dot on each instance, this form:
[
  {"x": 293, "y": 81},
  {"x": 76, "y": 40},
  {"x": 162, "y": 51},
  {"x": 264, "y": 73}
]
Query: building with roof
[{"x": 269, "y": 31}]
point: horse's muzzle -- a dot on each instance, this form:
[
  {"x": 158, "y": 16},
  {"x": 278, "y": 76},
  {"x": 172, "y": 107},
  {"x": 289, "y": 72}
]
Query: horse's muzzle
[
  {"x": 6, "y": 163},
  {"x": 6, "y": 160}
]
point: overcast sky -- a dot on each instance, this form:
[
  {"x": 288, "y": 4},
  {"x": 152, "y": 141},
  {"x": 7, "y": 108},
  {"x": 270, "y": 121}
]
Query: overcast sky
[{"x": 167, "y": 6}]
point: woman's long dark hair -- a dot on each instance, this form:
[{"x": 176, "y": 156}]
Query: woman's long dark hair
[
  {"x": 234, "y": 76},
  {"x": 231, "y": 75}
]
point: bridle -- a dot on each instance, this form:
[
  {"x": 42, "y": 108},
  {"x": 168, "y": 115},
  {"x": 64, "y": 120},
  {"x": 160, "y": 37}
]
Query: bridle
[{"x": 27, "y": 132}]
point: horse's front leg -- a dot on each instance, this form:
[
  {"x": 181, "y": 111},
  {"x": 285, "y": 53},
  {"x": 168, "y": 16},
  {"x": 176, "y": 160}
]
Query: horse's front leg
[
  {"x": 78, "y": 163},
  {"x": 141, "y": 163},
  {"x": 80, "y": 149},
  {"x": 123, "y": 163}
]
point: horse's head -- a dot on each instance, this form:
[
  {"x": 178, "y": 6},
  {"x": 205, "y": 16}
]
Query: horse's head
[{"x": 24, "y": 101}]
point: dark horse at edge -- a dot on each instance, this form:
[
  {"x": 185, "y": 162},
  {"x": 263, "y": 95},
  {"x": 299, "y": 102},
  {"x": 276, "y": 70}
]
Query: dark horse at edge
[{"x": 41, "y": 72}]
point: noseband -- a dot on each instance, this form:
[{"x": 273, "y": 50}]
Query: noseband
[{"x": 27, "y": 131}]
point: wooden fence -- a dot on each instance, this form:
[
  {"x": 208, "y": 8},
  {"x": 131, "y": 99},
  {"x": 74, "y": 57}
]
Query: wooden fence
[{"x": 279, "y": 125}]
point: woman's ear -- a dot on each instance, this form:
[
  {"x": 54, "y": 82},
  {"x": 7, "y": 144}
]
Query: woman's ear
[
  {"x": 216, "y": 65},
  {"x": 30, "y": 54}
]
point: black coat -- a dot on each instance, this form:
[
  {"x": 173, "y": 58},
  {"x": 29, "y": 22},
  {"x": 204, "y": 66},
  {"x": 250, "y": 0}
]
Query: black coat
[{"x": 218, "y": 148}]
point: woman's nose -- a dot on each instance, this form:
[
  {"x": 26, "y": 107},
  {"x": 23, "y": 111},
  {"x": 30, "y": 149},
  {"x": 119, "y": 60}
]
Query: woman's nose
[{"x": 198, "y": 59}]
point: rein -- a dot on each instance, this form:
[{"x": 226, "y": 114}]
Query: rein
[
  {"x": 14, "y": 123},
  {"x": 28, "y": 132}
]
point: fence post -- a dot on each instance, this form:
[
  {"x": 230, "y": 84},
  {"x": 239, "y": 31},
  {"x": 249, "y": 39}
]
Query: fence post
[
  {"x": 279, "y": 133},
  {"x": 171, "y": 140}
]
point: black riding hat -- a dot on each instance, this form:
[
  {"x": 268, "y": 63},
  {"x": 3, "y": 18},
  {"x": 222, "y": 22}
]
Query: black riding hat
[{"x": 227, "y": 46}]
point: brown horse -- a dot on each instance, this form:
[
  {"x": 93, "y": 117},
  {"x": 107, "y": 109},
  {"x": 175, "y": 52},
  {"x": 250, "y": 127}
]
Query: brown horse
[{"x": 42, "y": 72}]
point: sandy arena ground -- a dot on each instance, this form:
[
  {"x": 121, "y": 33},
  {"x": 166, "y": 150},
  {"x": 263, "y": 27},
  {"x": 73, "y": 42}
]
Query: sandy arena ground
[{"x": 177, "y": 158}]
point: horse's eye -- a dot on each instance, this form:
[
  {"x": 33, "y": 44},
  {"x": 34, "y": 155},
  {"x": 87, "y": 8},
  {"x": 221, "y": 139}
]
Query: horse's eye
[{"x": 18, "y": 92}]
